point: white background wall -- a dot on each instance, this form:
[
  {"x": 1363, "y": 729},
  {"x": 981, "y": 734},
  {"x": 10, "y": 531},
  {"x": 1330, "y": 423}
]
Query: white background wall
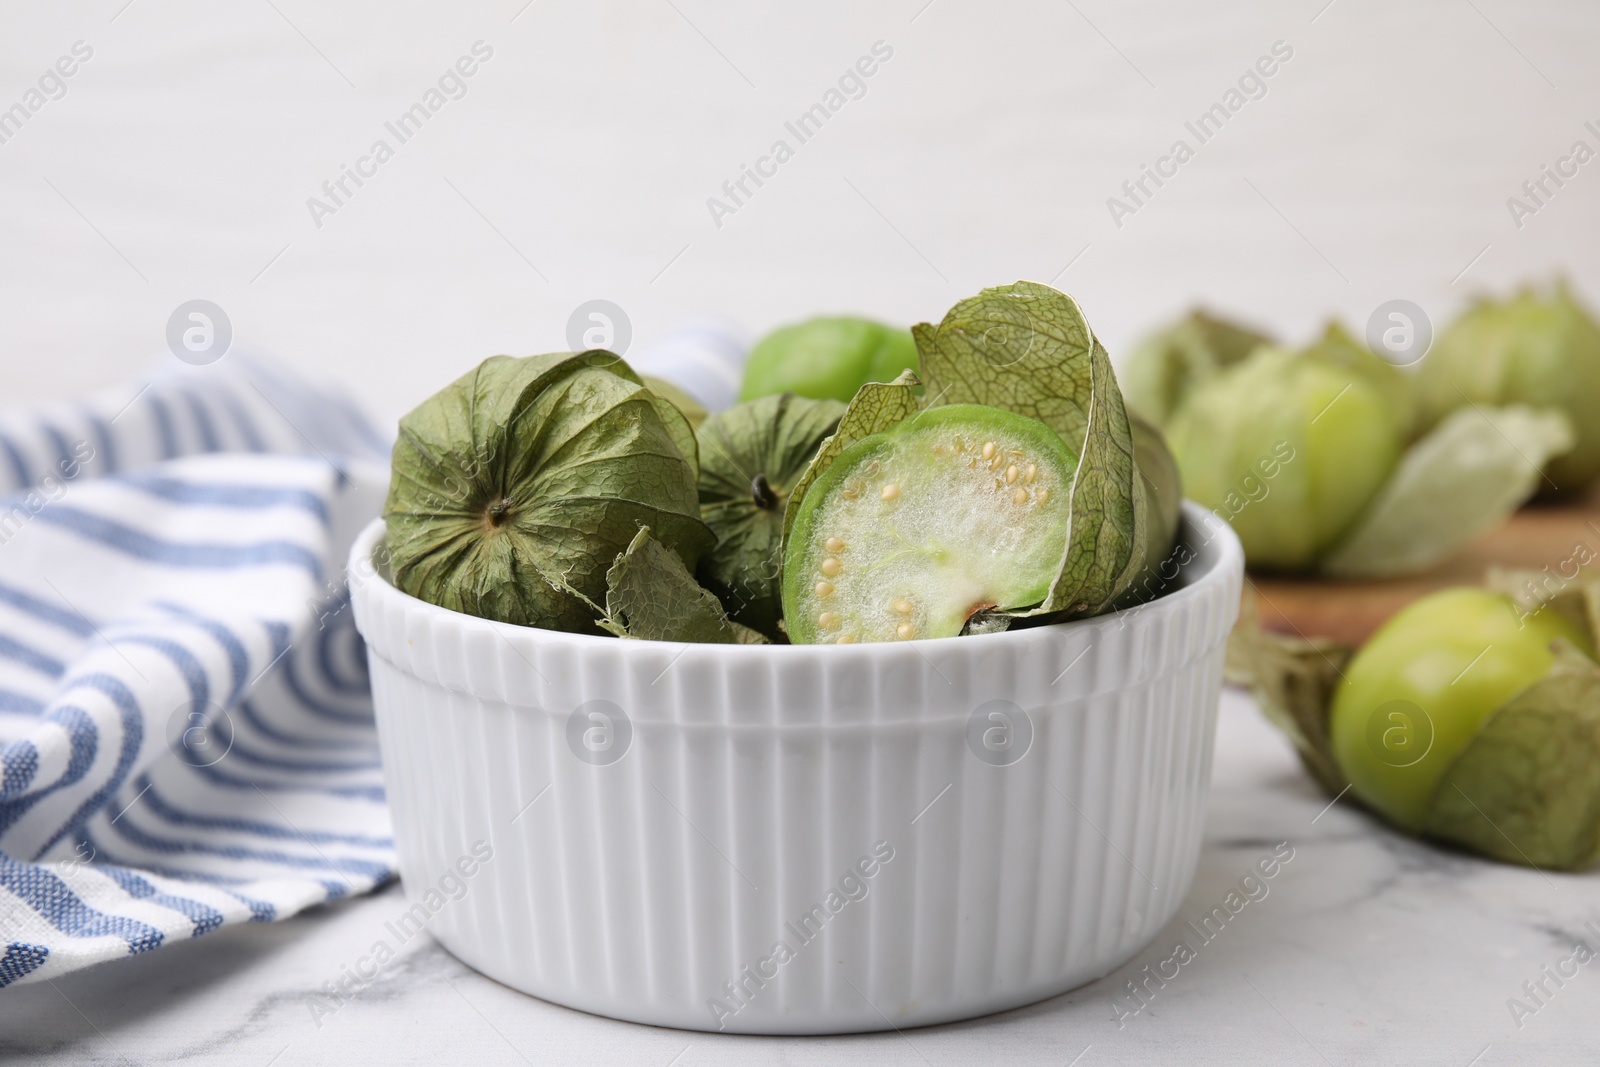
[{"x": 1377, "y": 165}]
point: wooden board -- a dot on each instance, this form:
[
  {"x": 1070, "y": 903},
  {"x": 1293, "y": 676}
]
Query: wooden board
[{"x": 1539, "y": 536}]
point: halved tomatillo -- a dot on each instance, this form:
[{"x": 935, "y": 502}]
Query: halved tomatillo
[{"x": 956, "y": 510}]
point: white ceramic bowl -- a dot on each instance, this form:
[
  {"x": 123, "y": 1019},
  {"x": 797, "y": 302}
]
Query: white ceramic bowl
[{"x": 800, "y": 839}]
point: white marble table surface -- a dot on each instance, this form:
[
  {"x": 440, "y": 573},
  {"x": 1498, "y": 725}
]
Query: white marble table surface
[{"x": 1369, "y": 948}]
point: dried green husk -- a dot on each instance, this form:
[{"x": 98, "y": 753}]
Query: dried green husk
[
  {"x": 1527, "y": 789},
  {"x": 1293, "y": 680},
  {"x": 651, "y": 596},
  {"x": 1163, "y": 486},
  {"x": 1467, "y": 475},
  {"x": 751, "y": 457},
  {"x": 515, "y": 487}
]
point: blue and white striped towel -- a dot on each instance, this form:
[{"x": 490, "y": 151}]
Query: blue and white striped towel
[{"x": 186, "y": 737}]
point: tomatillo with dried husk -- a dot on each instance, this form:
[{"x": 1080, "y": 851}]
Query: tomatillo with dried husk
[
  {"x": 1288, "y": 447},
  {"x": 1542, "y": 350},
  {"x": 751, "y": 456},
  {"x": 975, "y": 545},
  {"x": 1306, "y": 454},
  {"x": 1166, "y": 366},
  {"x": 515, "y": 488},
  {"x": 909, "y": 533},
  {"x": 1472, "y": 716},
  {"x": 1417, "y": 693},
  {"x": 692, "y": 409}
]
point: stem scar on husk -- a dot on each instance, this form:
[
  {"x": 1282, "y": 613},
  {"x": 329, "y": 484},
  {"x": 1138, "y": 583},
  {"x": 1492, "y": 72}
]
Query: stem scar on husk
[
  {"x": 761, "y": 490},
  {"x": 498, "y": 512}
]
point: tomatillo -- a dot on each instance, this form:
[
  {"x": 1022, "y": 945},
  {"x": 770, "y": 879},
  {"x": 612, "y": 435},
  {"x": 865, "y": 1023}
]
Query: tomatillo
[
  {"x": 1289, "y": 448},
  {"x": 1418, "y": 691},
  {"x": 1535, "y": 349},
  {"x": 827, "y": 358},
  {"x": 751, "y": 456},
  {"x": 909, "y": 533},
  {"x": 1167, "y": 365}
]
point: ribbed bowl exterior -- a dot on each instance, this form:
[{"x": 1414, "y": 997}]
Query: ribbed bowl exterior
[{"x": 682, "y": 875}]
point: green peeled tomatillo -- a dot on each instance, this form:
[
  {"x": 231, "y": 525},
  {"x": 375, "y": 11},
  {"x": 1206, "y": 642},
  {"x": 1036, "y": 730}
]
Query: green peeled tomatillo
[
  {"x": 1417, "y": 692},
  {"x": 912, "y": 531},
  {"x": 827, "y": 358},
  {"x": 1288, "y": 448}
]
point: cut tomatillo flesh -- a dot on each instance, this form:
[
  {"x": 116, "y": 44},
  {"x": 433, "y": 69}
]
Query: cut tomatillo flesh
[{"x": 958, "y": 509}]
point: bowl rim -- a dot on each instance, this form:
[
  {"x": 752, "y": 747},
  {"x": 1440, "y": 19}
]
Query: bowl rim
[{"x": 1215, "y": 557}]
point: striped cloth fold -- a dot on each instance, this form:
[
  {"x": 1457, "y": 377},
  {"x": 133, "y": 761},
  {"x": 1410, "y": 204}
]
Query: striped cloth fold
[{"x": 186, "y": 736}]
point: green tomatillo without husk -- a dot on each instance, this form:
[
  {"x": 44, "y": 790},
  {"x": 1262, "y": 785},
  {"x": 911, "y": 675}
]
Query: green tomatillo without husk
[
  {"x": 1541, "y": 350},
  {"x": 515, "y": 488},
  {"x": 827, "y": 358}
]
